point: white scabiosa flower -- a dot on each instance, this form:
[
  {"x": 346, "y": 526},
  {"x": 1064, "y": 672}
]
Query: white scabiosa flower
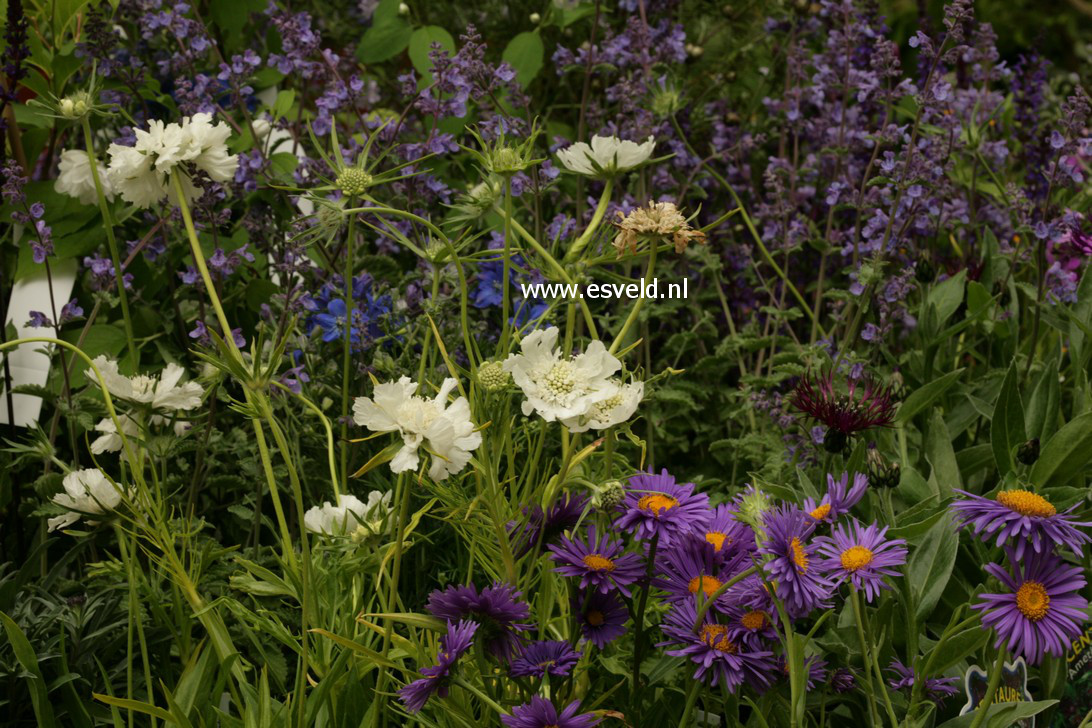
[
  {"x": 606, "y": 156},
  {"x": 110, "y": 440},
  {"x": 561, "y": 388},
  {"x": 351, "y": 516},
  {"x": 75, "y": 178},
  {"x": 444, "y": 430},
  {"x": 614, "y": 410},
  {"x": 162, "y": 392},
  {"x": 86, "y": 493},
  {"x": 141, "y": 173}
]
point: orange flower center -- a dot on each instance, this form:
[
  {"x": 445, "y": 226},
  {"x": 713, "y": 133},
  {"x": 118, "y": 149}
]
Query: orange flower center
[
  {"x": 716, "y": 636},
  {"x": 1026, "y": 503},
  {"x": 598, "y": 562},
  {"x": 717, "y": 539},
  {"x": 1032, "y": 600},
  {"x": 821, "y": 512},
  {"x": 753, "y": 620},
  {"x": 856, "y": 557},
  {"x": 657, "y": 503},
  {"x": 707, "y": 584},
  {"x": 594, "y": 618},
  {"x": 799, "y": 556}
]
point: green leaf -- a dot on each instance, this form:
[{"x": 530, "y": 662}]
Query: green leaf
[
  {"x": 947, "y": 295},
  {"x": 924, "y": 396},
  {"x": 105, "y": 339},
  {"x": 1001, "y": 715},
  {"x": 388, "y": 36},
  {"x": 1065, "y": 454},
  {"x": 283, "y": 104},
  {"x": 957, "y": 648},
  {"x": 24, "y": 653},
  {"x": 525, "y": 53},
  {"x": 941, "y": 456},
  {"x": 1007, "y": 423},
  {"x": 1041, "y": 415},
  {"x": 420, "y": 44},
  {"x": 930, "y": 565}
]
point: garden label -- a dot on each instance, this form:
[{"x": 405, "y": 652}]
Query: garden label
[{"x": 1013, "y": 688}]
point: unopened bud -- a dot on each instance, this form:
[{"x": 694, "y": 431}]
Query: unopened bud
[
  {"x": 535, "y": 18},
  {"x": 492, "y": 377},
  {"x": 403, "y": 9},
  {"x": 609, "y": 495},
  {"x": 882, "y": 474}
]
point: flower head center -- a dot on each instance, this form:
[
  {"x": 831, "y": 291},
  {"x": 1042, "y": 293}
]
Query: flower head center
[
  {"x": 657, "y": 503},
  {"x": 753, "y": 620},
  {"x": 598, "y": 562},
  {"x": 595, "y": 618},
  {"x": 707, "y": 584},
  {"x": 560, "y": 380},
  {"x": 716, "y": 636},
  {"x": 1026, "y": 503},
  {"x": 856, "y": 557},
  {"x": 1032, "y": 600},
  {"x": 821, "y": 512},
  {"x": 717, "y": 539},
  {"x": 799, "y": 556}
]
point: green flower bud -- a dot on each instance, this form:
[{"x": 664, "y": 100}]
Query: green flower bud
[
  {"x": 609, "y": 495},
  {"x": 353, "y": 182},
  {"x": 492, "y": 377}
]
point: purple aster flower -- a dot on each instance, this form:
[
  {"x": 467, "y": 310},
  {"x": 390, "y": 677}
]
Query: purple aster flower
[
  {"x": 541, "y": 713},
  {"x": 1022, "y": 517},
  {"x": 800, "y": 583},
  {"x": 860, "y": 555},
  {"x": 725, "y": 662},
  {"x": 549, "y": 657},
  {"x": 599, "y": 563},
  {"x": 842, "y": 680},
  {"x": 435, "y": 681},
  {"x": 602, "y": 617},
  {"x": 863, "y": 405},
  {"x": 497, "y": 610},
  {"x": 656, "y": 506},
  {"x": 543, "y": 528},
  {"x": 727, "y": 533},
  {"x": 936, "y": 688},
  {"x": 751, "y": 627},
  {"x": 1043, "y": 610},
  {"x": 839, "y": 497},
  {"x": 691, "y": 570}
]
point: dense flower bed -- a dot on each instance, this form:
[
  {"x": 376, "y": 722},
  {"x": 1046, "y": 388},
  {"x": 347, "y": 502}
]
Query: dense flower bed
[{"x": 336, "y": 394}]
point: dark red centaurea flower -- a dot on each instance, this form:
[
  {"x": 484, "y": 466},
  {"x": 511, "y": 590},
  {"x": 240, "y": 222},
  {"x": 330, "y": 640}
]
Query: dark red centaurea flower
[{"x": 863, "y": 405}]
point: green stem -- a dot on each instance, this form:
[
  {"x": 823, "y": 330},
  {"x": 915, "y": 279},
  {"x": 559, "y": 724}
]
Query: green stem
[
  {"x": 991, "y": 689},
  {"x": 506, "y": 293},
  {"x": 867, "y": 667},
  {"x": 346, "y": 360},
  {"x": 597, "y": 218},
  {"x": 875, "y": 662},
  {"x": 392, "y": 590},
  {"x": 112, "y": 244},
  {"x": 632, "y": 317},
  {"x": 638, "y": 632},
  {"x": 691, "y": 700}
]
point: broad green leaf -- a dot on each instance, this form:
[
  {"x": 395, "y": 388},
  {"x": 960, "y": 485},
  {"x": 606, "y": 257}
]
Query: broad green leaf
[
  {"x": 924, "y": 396},
  {"x": 1042, "y": 410},
  {"x": 941, "y": 456},
  {"x": 1001, "y": 715},
  {"x": 420, "y": 45},
  {"x": 388, "y": 36},
  {"x": 1007, "y": 423},
  {"x": 105, "y": 339},
  {"x": 930, "y": 565},
  {"x": 1065, "y": 454},
  {"x": 525, "y": 53},
  {"x": 957, "y": 648},
  {"x": 947, "y": 295}
]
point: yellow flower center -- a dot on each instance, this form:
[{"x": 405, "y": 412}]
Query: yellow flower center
[
  {"x": 657, "y": 503},
  {"x": 717, "y": 539},
  {"x": 1026, "y": 503},
  {"x": 598, "y": 562},
  {"x": 753, "y": 620},
  {"x": 821, "y": 512},
  {"x": 1032, "y": 600},
  {"x": 707, "y": 584},
  {"x": 856, "y": 557},
  {"x": 716, "y": 636},
  {"x": 799, "y": 556},
  {"x": 594, "y": 618}
]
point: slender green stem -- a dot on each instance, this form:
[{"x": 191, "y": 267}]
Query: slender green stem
[
  {"x": 638, "y": 632},
  {"x": 404, "y": 488},
  {"x": 983, "y": 709},
  {"x": 867, "y": 666},
  {"x": 112, "y": 244},
  {"x": 796, "y": 671},
  {"x": 875, "y": 660},
  {"x": 597, "y": 218},
  {"x": 347, "y": 344},
  {"x": 691, "y": 701},
  {"x": 506, "y": 283},
  {"x": 469, "y": 687},
  {"x": 633, "y": 312},
  {"x": 325, "y": 424}
]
